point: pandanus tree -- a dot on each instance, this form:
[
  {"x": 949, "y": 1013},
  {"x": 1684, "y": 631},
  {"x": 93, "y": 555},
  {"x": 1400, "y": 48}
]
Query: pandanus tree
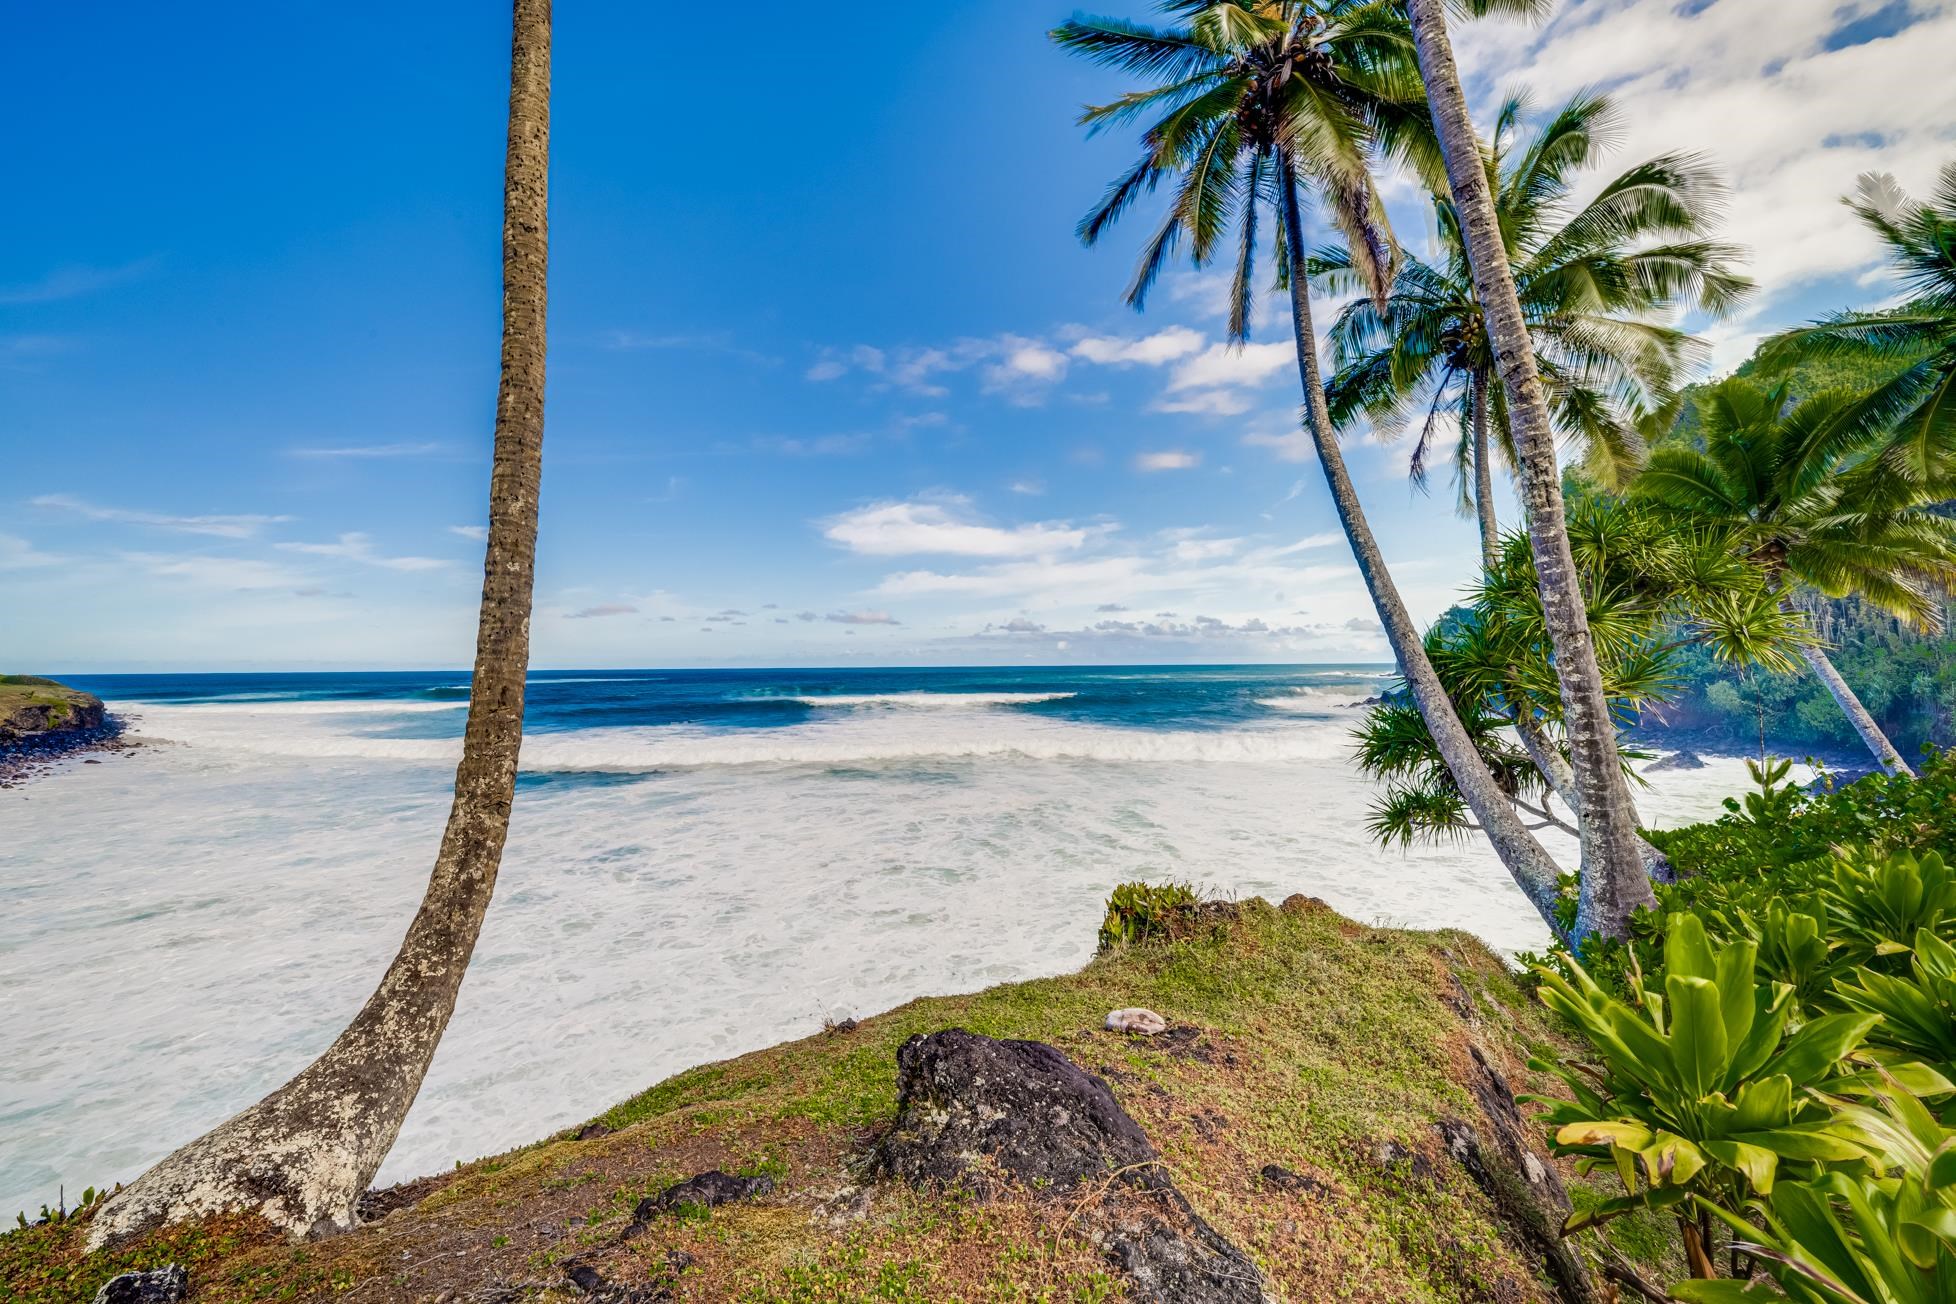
[
  {"x": 1807, "y": 493},
  {"x": 1613, "y": 882},
  {"x": 1595, "y": 283},
  {"x": 1248, "y": 104},
  {"x": 1917, "y": 406},
  {"x": 302, "y": 1157}
]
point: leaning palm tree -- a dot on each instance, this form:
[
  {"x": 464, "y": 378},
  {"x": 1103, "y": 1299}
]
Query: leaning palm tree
[
  {"x": 1594, "y": 283},
  {"x": 1918, "y": 336},
  {"x": 302, "y": 1157},
  {"x": 1250, "y": 102},
  {"x": 1806, "y": 494},
  {"x": 1613, "y": 879}
]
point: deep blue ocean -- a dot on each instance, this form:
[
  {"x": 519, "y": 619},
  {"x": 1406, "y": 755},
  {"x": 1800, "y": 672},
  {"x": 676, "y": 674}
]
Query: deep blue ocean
[{"x": 1131, "y": 697}]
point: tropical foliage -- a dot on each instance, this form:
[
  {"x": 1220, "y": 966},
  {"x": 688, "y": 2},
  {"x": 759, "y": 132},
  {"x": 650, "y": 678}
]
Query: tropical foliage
[
  {"x": 1805, "y": 490},
  {"x": 1593, "y": 281},
  {"x": 1774, "y": 1058},
  {"x": 1651, "y": 590},
  {"x": 1917, "y": 405}
]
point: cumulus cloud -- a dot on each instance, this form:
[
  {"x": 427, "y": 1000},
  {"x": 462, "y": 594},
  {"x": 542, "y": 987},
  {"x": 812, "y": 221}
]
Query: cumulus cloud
[
  {"x": 218, "y": 526},
  {"x": 1148, "y": 350},
  {"x": 862, "y": 618},
  {"x": 1803, "y": 103},
  {"x": 947, "y": 525}
]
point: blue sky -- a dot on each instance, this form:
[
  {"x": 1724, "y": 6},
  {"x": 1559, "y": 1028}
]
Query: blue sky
[{"x": 831, "y": 380}]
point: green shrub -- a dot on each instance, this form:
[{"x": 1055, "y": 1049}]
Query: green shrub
[
  {"x": 1140, "y": 912},
  {"x": 1771, "y": 1050}
]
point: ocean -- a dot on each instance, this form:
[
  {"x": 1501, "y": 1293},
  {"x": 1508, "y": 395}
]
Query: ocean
[{"x": 700, "y": 863}]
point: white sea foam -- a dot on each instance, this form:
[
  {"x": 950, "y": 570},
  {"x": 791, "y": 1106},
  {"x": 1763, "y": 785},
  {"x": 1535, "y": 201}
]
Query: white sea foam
[
  {"x": 212, "y": 914},
  {"x": 861, "y": 739},
  {"x": 253, "y": 706},
  {"x": 953, "y": 700},
  {"x": 1316, "y": 700}
]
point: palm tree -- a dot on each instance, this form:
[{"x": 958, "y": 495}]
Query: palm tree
[
  {"x": 1652, "y": 589},
  {"x": 1805, "y": 493},
  {"x": 1918, "y": 336},
  {"x": 302, "y": 1157},
  {"x": 1591, "y": 281},
  {"x": 1613, "y": 883},
  {"x": 1250, "y": 100}
]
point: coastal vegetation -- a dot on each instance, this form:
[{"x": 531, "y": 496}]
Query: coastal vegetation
[
  {"x": 1765, "y": 1003},
  {"x": 1773, "y": 1053},
  {"x": 1249, "y": 104}
]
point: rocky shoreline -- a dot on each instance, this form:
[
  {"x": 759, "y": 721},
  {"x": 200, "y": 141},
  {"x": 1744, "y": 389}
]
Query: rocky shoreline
[{"x": 43, "y": 721}]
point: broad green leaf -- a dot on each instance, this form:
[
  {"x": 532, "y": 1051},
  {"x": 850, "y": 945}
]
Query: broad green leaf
[
  {"x": 1698, "y": 1045},
  {"x": 1756, "y": 1162},
  {"x": 1686, "y": 952},
  {"x": 1820, "y": 1045}
]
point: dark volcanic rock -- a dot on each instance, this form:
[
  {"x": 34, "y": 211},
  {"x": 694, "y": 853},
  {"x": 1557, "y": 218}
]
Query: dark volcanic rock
[
  {"x": 163, "y": 1286},
  {"x": 1020, "y": 1104},
  {"x": 969, "y": 1106},
  {"x": 708, "y": 1190},
  {"x": 41, "y": 721},
  {"x": 594, "y": 1284},
  {"x": 1678, "y": 760}
]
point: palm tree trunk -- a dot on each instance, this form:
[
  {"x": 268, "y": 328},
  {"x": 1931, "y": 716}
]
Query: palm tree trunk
[
  {"x": 1613, "y": 880},
  {"x": 1533, "y": 869},
  {"x": 1483, "y": 473},
  {"x": 1857, "y": 715},
  {"x": 303, "y": 1156}
]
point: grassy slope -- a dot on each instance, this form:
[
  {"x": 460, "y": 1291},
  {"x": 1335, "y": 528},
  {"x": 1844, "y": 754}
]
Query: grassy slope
[
  {"x": 17, "y": 691},
  {"x": 1321, "y": 1040}
]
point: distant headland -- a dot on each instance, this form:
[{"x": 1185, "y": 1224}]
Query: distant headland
[{"x": 42, "y": 720}]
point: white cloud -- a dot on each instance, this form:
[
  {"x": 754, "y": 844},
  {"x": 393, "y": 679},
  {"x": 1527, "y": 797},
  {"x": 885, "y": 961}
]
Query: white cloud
[
  {"x": 1206, "y": 402},
  {"x": 1223, "y": 366},
  {"x": 223, "y": 527},
  {"x": 1289, "y": 446},
  {"x": 1789, "y": 121},
  {"x": 1148, "y": 351},
  {"x": 1169, "y": 460},
  {"x": 480, "y": 533},
  {"x": 601, "y": 610},
  {"x": 892, "y": 529},
  {"x": 357, "y": 547},
  {"x": 862, "y": 618}
]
